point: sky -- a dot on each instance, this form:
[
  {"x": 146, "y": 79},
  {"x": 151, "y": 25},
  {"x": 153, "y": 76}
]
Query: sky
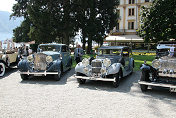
[{"x": 6, "y": 5}]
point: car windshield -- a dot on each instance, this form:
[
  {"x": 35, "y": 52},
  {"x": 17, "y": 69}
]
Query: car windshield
[
  {"x": 109, "y": 52},
  {"x": 54, "y": 48}
]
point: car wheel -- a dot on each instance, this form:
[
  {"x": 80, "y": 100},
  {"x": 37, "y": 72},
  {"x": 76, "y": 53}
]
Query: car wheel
[
  {"x": 57, "y": 77},
  {"x": 24, "y": 76},
  {"x": 117, "y": 80},
  {"x": 80, "y": 81},
  {"x": 2, "y": 69},
  {"x": 144, "y": 77}
]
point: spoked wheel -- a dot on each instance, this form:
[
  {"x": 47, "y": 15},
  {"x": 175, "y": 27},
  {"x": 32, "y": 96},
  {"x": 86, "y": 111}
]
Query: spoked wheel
[
  {"x": 57, "y": 77},
  {"x": 24, "y": 76},
  {"x": 144, "y": 77},
  {"x": 80, "y": 81},
  {"x": 2, "y": 69}
]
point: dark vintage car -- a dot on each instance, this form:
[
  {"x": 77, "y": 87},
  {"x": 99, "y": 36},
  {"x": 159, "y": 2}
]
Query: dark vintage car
[
  {"x": 111, "y": 64},
  {"x": 51, "y": 59},
  {"x": 162, "y": 73}
]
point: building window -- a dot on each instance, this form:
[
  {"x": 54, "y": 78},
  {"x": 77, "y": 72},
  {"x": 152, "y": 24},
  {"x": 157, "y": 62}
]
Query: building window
[
  {"x": 147, "y": 0},
  {"x": 131, "y": 1},
  {"x": 130, "y": 25},
  {"x": 131, "y": 12}
]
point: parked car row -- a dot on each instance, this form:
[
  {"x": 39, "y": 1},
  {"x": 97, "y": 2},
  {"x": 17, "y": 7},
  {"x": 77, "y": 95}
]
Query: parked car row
[{"x": 112, "y": 64}]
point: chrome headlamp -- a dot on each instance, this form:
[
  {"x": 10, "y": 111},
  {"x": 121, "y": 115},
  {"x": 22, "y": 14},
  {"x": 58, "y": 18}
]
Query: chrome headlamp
[
  {"x": 103, "y": 71},
  {"x": 85, "y": 62},
  {"x": 156, "y": 64},
  {"x": 107, "y": 62},
  {"x": 49, "y": 59},
  {"x": 86, "y": 70},
  {"x": 30, "y": 58}
]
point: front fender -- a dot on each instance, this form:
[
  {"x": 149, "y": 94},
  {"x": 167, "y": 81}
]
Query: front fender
[
  {"x": 114, "y": 68},
  {"x": 55, "y": 66},
  {"x": 145, "y": 68},
  {"x": 23, "y": 65}
]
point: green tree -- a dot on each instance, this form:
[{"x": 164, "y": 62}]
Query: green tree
[{"x": 158, "y": 21}]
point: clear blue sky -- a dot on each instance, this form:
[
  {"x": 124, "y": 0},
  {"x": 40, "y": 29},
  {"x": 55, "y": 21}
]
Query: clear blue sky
[{"x": 6, "y": 5}]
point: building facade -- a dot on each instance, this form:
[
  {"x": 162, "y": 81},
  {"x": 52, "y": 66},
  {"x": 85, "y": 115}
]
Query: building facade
[{"x": 128, "y": 22}]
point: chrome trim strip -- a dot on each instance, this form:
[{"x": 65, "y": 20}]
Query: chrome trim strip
[
  {"x": 39, "y": 73},
  {"x": 157, "y": 84},
  {"x": 93, "y": 78}
]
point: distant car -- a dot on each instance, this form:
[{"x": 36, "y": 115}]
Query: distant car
[
  {"x": 51, "y": 59},
  {"x": 111, "y": 64},
  {"x": 7, "y": 60},
  {"x": 162, "y": 73},
  {"x": 163, "y": 48}
]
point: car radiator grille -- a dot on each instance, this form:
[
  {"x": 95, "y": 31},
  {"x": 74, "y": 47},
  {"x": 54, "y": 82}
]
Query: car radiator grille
[
  {"x": 40, "y": 62},
  {"x": 96, "y": 67}
]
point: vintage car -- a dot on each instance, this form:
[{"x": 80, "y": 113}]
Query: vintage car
[
  {"x": 8, "y": 59},
  {"x": 163, "y": 48},
  {"x": 162, "y": 73},
  {"x": 111, "y": 64},
  {"x": 51, "y": 59}
]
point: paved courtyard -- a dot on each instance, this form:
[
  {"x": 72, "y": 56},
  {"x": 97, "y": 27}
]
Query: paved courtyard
[{"x": 44, "y": 97}]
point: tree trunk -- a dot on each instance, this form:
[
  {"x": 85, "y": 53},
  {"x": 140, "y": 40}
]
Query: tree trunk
[
  {"x": 84, "y": 40},
  {"x": 66, "y": 39},
  {"x": 89, "y": 49}
]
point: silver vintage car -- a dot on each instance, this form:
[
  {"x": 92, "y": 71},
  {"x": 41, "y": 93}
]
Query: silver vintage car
[
  {"x": 111, "y": 64},
  {"x": 162, "y": 73},
  {"x": 51, "y": 59}
]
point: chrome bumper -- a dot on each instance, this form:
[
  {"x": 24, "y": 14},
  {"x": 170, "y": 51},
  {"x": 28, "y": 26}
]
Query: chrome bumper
[
  {"x": 96, "y": 78},
  {"x": 157, "y": 84},
  {"x": 39, "y": 73}
]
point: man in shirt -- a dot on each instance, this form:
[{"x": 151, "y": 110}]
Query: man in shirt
[{"x": 78, "y": 53}]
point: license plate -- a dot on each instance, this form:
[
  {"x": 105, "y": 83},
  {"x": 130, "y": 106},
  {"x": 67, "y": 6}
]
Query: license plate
[
  {"x": 38, "y": 75},
  {"x": 172, "y": 89}
]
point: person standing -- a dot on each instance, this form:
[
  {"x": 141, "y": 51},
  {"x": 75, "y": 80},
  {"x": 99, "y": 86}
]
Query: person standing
[{"x": 78, "y": 53}]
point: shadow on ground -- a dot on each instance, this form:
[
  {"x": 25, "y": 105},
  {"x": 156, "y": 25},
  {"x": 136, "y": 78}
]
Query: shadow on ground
[
  {"x": 8, "y": 72},
  {"x": 49, "y": 80}
]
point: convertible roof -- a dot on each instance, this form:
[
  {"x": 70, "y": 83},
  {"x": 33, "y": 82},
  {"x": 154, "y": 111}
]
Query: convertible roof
[{"x": 113, "y": 47}]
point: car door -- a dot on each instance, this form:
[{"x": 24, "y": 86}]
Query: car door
[
  {"x": 126, "y": 56},
  {"x": 65, "y": 56}
]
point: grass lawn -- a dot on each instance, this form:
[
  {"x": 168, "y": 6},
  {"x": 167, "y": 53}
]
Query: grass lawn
[{"x": 139, "y": 59}]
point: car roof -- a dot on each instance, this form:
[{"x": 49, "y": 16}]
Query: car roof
[
  {"x": 113, "y": 47},
  {"x": 53, "y": 44}
]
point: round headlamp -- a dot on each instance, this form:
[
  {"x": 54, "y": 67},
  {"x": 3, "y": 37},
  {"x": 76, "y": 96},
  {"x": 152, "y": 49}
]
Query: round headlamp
[
  {"x": 30, "y": 58},
  {"x": 107, "y": 62},
  {"x": 156, "y": 64},
  {"x": 103, "y": 70},
  {"x": 86, "y": 70},
  {"x": 49, "y": 59},
  {"x": 85, "y": 62}
]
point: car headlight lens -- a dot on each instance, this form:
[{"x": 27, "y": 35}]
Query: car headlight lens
[
  {"x": 107, "y": 62},
  {"x": 156, "y": 64},
  {"x": 103, "y": 70},
  {"x": 49, "y": 59},
  {"x": 86, "y": 70},
  {"x": 30, "y": 58},
  {"x": 85, "y": 62}
]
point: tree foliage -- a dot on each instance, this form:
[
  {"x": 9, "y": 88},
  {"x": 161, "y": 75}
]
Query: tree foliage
[
  {"x": 59, "y": 20},
  {"x": 158, "y": 21}
]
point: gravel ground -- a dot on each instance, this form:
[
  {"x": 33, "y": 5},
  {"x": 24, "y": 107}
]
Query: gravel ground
[{"x": 44, "y": 97}]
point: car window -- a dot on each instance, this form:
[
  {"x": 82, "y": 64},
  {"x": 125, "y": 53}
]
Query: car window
[
  {"x": 125, "y": 52},
  {"x": 109, "y": 52},
  {"x": 64, "y": 49},
  {"x": 49, "y": 48}
]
